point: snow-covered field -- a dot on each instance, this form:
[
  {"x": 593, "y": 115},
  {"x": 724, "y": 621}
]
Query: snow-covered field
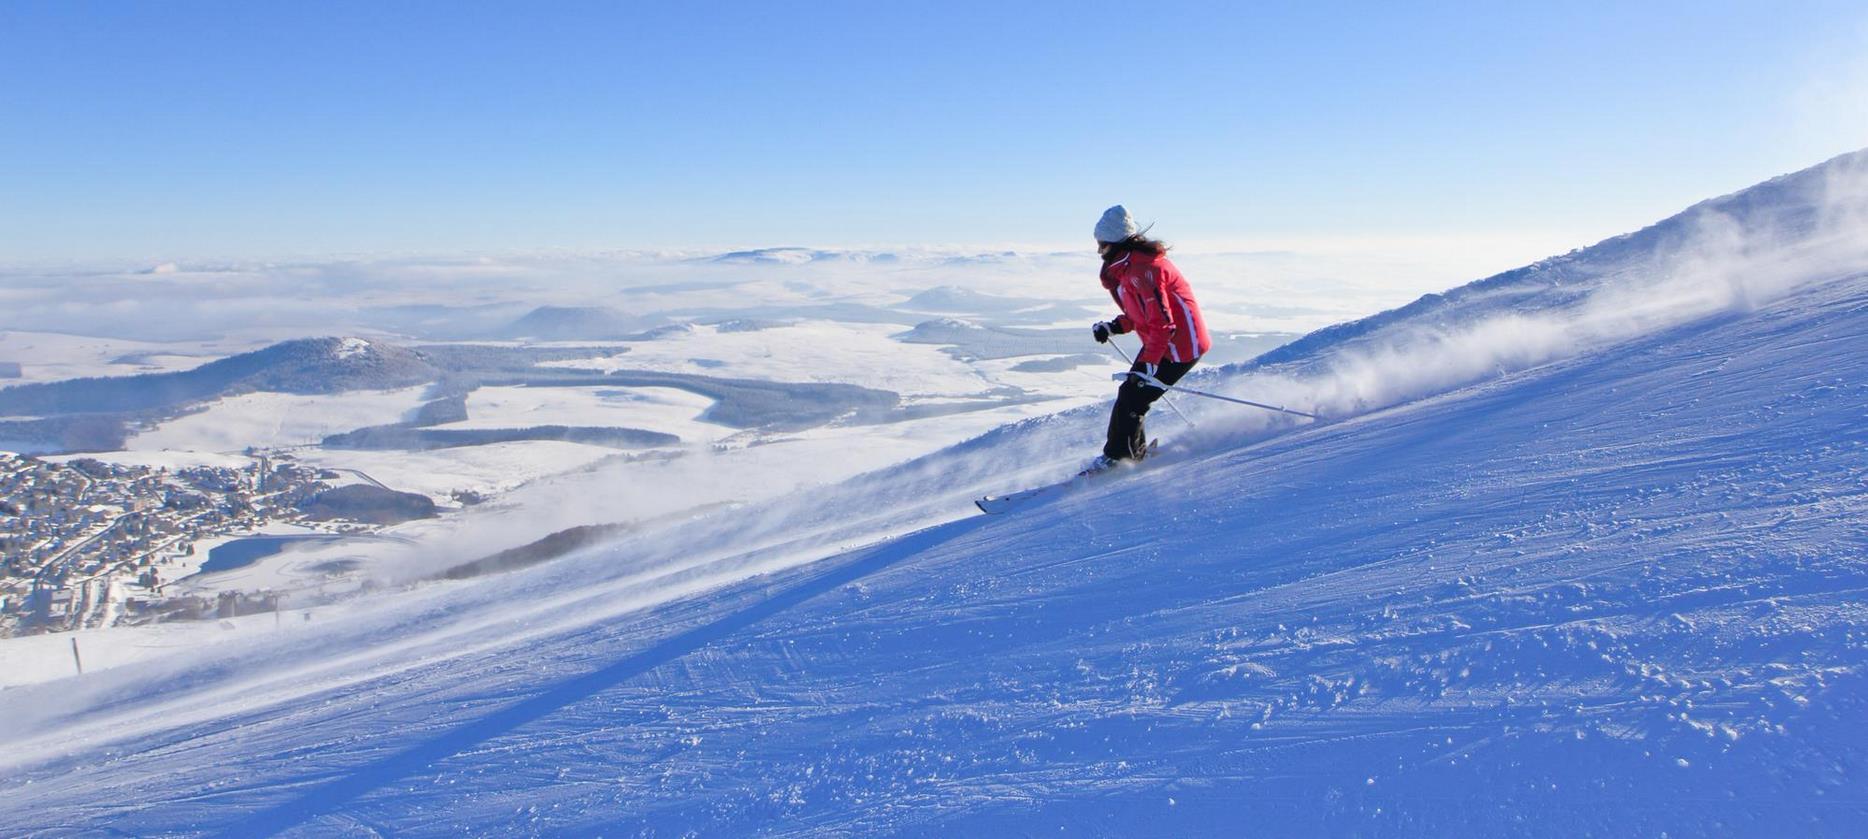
[
  {"x": 862, "y": 354},
  {"x": 489, "y": 469},
  {"x": 668, "y": 410},
  {"x": 1580, "y": 552},
  {"x": 46, "y": 356},
  {"x": 277, "y": 420}
]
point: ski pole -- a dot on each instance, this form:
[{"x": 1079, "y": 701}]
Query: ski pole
[
  {"x": 1155, "y": 382},
  {"x": 1164, "y": 386}
]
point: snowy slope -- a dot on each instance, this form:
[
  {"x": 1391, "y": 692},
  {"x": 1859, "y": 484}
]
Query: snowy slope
[{"x": 1613, "y": 585}]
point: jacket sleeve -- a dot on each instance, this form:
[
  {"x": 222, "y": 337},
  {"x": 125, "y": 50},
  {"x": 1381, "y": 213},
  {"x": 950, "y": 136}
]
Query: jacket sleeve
[{"x": 1155, "y": 318}]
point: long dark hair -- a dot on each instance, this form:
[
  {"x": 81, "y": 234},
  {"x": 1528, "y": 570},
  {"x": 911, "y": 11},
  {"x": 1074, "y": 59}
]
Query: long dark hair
[{"x": 1135, "y": 242}]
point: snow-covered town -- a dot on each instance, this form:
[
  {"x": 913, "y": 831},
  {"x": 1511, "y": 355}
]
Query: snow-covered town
[{"x": 89, "y": 544}]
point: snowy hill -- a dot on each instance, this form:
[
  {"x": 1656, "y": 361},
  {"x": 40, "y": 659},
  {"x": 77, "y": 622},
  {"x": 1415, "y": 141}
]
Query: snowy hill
[
  {"x": 1711, "y": 254},
  {"x": 583, "y": 323},
  {"x": 95, "y": 414},
  {"x": 309, "y": 365},
  {"x": 1596, "y": 569},
  {"x": 799, "y": 256}
]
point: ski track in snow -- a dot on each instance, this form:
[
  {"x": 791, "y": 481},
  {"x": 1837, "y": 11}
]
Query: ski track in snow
[{"x": 1617, "y": 594}]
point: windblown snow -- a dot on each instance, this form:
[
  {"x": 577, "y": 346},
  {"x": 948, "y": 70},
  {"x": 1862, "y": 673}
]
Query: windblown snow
[{"x": 1582, "y": 552}]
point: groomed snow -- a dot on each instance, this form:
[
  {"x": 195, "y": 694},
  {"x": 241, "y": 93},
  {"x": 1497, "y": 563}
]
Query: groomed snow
[{"x": 1613, "y": 594}]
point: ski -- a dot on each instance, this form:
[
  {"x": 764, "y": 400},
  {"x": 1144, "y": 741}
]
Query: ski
[{"x": 993, "y": 505}]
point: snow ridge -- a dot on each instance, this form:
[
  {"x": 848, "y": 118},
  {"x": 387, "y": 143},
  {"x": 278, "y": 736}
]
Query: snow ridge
[{"x": 1729, "y": 254}]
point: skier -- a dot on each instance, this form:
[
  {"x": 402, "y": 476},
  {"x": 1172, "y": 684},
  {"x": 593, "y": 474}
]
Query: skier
[{"x": 1158, "y": 306}]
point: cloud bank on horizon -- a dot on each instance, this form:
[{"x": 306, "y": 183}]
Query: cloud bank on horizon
[{"x": 1291, "y": 286}]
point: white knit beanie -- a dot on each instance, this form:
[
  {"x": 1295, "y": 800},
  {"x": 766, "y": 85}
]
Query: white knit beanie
[{"x": 1115, "y": 225}]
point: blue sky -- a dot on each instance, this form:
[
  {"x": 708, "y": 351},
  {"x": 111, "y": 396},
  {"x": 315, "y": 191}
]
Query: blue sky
[{"x": 188, "y": 129}]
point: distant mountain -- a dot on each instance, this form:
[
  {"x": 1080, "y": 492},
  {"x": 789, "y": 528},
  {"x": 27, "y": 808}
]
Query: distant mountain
[
  {"x": 806, "y": 256},
  {"x": 799, "y": 256},
  {"x": 441, "y": 323},
  {"x": 749, "y": 325},
  {"x": 941, "y": 331},
  {"x": 587, "y": 323},
  {"x": 771, "y": 256},
  {"x": 573, "y": 323},
  {"x": 305, "y": 366}
]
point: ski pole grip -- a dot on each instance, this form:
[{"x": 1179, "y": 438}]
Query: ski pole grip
[{"x": 1144, "y": 377}]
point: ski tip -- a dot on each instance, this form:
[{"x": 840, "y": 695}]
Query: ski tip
[{"x": 993, "y": 505}]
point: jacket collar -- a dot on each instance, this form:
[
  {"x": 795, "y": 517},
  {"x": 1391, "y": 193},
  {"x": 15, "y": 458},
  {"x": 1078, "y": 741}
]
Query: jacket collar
[{"x": 1112, "y": 272}]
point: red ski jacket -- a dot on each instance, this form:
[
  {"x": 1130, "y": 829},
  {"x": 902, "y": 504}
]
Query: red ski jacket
[{"x": 1158, "y": 305}]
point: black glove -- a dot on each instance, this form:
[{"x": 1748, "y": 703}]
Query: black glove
[{"x": 1100, "y": 332}]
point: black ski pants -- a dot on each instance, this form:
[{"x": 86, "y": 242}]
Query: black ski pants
[{"x": 1126, "y": 437}]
